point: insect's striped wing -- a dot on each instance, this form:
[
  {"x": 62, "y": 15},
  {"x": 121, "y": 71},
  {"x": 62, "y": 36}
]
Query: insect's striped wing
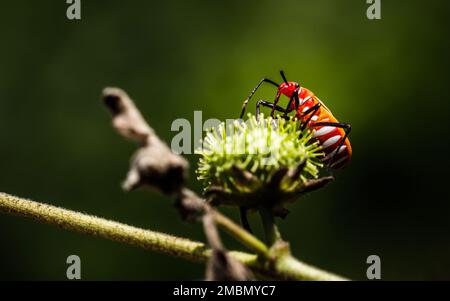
[{"x": 323, "y": 105}]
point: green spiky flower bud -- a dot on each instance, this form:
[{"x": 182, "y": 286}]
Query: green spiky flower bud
[{"x": 262, "y": 160}]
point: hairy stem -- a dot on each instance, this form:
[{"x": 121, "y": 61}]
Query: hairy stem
[
  {"x": 245, "y": 237},
  {"x": 96, "y": 226},
  {"x": 286, "y": 268}
]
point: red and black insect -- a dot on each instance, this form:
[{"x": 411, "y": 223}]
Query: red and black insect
[{"x": 314, "y": 115}]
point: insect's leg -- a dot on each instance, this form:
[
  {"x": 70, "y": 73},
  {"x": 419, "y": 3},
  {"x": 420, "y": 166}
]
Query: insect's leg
[
  {"x": 267, "y": 104},
  {"x": 288, "y": 108},
  {"x": 311, "y": 111},
  {"x": 244, "y": 105},
  {"x": 244, "y": 219},
  {"x": 275, "y": 102},
  {"x": 347, "y": 128}
]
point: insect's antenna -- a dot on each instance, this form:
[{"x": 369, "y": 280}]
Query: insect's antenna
[
  {"x": 284, "y": 77},
  {"x": 271, "y": 82}
]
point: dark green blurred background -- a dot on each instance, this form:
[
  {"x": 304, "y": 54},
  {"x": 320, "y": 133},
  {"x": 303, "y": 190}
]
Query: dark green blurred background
[{"x": 388, "y": 78}]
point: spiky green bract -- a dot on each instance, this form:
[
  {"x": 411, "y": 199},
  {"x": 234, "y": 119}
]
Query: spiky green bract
[{"x": 258, "y": 149}]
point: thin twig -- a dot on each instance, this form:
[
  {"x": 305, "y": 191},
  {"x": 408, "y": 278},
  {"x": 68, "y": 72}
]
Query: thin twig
[
  {"x": 191, "y": 204},
  {"x": 239, "y": 233},
  {"x": 285, "y": 268},
  {"x": 270, "y": 228}
]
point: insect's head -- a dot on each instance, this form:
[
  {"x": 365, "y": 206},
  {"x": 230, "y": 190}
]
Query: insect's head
[{"x": 287, "y": 88}]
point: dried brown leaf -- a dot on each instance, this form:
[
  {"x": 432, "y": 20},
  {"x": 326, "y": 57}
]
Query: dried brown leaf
[{"x": 153, "y": 164}]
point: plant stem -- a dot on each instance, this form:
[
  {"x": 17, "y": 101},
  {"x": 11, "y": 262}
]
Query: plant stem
[
  {"x": 242, "y": 235},
  {"x": 286, "y": 268},
  {"x": 270, "y": 228},
  {"x": 96, "y": 226}
]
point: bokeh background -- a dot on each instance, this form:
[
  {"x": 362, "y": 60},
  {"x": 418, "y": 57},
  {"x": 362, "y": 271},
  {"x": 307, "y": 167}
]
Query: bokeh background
[{"x": 388, "y": 78}]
